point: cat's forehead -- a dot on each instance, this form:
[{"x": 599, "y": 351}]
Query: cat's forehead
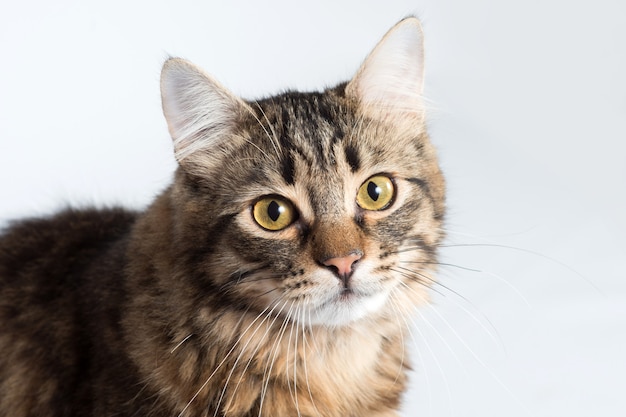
[
  {"x": 322, "y": 130},
  {"x": 295, "y": 118}
]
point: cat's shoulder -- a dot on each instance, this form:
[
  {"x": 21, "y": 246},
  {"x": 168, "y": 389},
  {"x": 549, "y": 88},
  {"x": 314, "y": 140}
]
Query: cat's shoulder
[{"x": 68, "y": 233}]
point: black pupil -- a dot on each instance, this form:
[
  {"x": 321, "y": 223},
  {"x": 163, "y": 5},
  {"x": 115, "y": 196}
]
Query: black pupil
[
  {"x": 273, "y": 210},
  {"x": 373, "y": 191}
]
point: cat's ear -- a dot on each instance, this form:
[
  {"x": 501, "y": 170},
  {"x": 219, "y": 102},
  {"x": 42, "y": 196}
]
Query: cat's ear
[
  {"x": 200, "y": 112},
  {"x": 391, "y": 80}
]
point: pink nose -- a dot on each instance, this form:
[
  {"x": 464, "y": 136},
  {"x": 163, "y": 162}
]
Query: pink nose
[{"x": 343, "y": 264}]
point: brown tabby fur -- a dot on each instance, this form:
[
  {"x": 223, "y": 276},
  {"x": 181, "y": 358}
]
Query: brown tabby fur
[{"x": 191, "y": 309}]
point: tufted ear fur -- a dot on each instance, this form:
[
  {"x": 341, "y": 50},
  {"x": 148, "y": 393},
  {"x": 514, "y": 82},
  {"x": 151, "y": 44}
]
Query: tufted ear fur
[
  {"x": 200, "y": 112},
  {"x": 390, "y": 82}
]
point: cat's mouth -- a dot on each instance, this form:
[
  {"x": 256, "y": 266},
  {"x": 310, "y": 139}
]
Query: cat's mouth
[{"x": 347, "y": 294}]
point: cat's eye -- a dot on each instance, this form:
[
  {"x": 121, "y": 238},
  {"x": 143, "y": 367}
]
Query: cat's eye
[
  {"x": 274, "y": 213},
  {"x": 376, "y": 193}
]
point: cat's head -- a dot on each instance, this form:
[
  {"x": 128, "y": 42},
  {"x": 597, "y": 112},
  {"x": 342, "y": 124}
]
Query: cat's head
[{"x": 324, "y": 207}]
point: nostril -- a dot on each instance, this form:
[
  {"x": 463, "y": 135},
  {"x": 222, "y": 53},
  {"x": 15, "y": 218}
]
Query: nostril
[
  {"x": 343, "y": 265},
  {"x": 332, "y": 268}
]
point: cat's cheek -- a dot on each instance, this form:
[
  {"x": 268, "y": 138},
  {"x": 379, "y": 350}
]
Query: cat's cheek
[{"x": 259, "y": 292}]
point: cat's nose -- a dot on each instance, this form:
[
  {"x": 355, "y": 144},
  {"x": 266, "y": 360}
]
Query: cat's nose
[{"x": 343, "y": 265}]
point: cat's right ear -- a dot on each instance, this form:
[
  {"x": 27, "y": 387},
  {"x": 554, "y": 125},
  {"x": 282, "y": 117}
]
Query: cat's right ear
[
  {"x": 390, "y": 82},
  {"x": 200, "y": 112}
]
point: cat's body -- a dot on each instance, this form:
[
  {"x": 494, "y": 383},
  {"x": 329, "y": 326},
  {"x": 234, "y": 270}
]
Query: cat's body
[{"x": 273, "y": 278}]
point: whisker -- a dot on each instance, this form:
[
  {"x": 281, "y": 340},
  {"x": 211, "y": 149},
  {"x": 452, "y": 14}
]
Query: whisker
[
  {"x": 435, "y": 358},
  {"x": 480, "y": 361},
  {"x": 407, "y": 249},
  {"x": 530, "y": 252},
  {"x": 432, "y": 281},
  {"x": 441, "y": 264},
  {"x": 203, "y": 386},
  {"x": 420, "y": 274},
  {"x": 234, "y": 366},
  {"x": 494, "y": 335},
  {"x": 295, "y": 362},
  {"x": 419, "y": 353},
  {"x": 264, "y": 130},
  {"x": 511, "y": 286},
  {"x": 241, "y": 275},
  {"x": 181, "y": 342},
  {"x": 498, "y": 277},
  {"x": 257, "y": 147},
  {"x": 436, "y": 331},
  {"x": 412, "y": 277},
  {"x": 287, "y": 370},
  {"x": 398, "y": 315},
  {"x": 273, "y": 137},
  {"x": 274, "y": 354},
  {"x": 466, "y": 346},
  {"x": 306, "y": 371}
]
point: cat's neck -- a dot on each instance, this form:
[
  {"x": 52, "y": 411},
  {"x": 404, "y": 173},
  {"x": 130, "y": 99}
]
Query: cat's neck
[{"x": 290, "y": 365}]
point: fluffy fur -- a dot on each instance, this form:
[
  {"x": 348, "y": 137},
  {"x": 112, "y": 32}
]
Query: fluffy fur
[{"x": 193, "y": 308}]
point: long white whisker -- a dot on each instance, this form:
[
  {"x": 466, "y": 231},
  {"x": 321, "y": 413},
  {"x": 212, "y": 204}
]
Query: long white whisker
[
  {"x": 419, "y": 353},
  {"x": 289, "y": 372},
  {"x": 305, "y": 344},
  {"x": 464, "y": 343},
  {"x": 480, "y": 361},
  {"x": 492, "y": 334},
  {"x": 252, "y": 356},
  {"x": 437, "y": 364},
  {"x": 511, "y": 286},
  {"x": 530, "y": 252},
  {"x": 443, "y": 339},
  {"x": 241, "y": 353},
  {"x": 498, "y": 277},
  {"x": 398, "y": 315},
  {"x": 241, "y": 336},
  {"x": 273, "y": 137},
  {"x": 256, "y": 146},
  {"x": 295, "y": 362},
  {"x": 181, "y": 342},
  {"x": 274, "y": 354}
]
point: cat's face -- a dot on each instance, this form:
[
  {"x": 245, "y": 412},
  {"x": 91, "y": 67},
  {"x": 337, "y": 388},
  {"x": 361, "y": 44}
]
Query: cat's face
[{"x": 322, "y": 207}]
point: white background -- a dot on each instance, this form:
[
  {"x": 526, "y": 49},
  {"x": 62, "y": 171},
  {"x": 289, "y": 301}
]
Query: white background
[{"x": 528, "y": 111}]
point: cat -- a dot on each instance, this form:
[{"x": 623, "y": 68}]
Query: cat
[{"x": 274, "y": 277}]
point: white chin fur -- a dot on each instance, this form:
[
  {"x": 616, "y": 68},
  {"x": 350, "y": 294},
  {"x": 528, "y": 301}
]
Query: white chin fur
[{"x": 341, "y": 312}]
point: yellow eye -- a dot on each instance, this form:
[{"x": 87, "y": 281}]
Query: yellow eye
[
  {"x": 376, "y": 193},
  {"x": 274, "y": 213}
]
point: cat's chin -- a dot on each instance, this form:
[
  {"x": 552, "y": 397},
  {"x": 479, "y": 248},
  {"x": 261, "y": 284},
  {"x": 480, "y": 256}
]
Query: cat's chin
[{"x": 346, "y": 308}]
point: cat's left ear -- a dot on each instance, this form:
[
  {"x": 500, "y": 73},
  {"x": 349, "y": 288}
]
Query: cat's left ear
[{"x": 391, "y": 80}]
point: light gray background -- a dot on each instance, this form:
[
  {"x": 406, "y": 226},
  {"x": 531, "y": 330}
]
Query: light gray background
[{"x": 528, "y": 111}]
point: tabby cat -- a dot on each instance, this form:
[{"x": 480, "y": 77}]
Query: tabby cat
[{"x": 274, "y": 277}]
